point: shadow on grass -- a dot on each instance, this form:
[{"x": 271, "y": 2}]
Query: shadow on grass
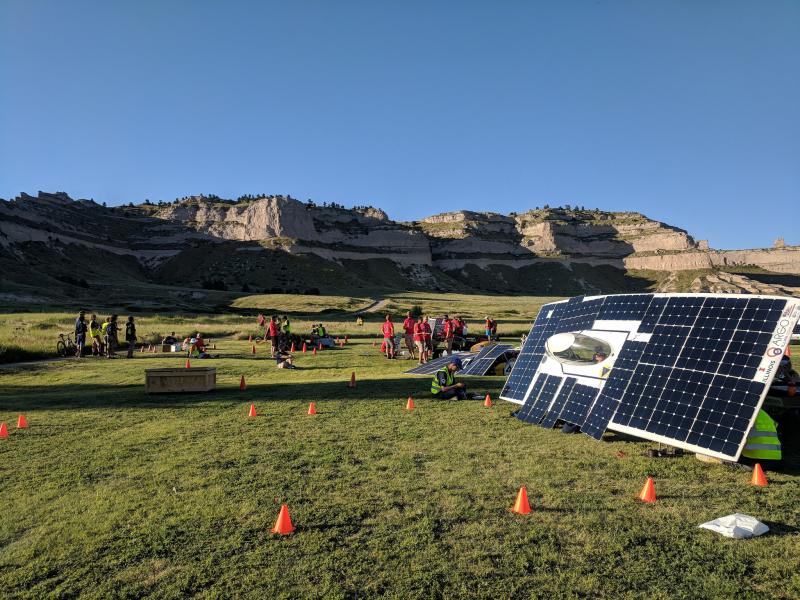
[
  {"x": 776, "y": 528},
  {"x": 58, "y": 396}
]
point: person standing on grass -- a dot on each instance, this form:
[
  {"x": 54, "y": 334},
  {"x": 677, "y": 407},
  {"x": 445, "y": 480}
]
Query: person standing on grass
[
  {"x": 487, "y": 327},
  {"x": 95, "y": 335},
  {"x": 408, "y": 328},
  {"x": 80, "y": 334},
  {"x": 461, "y": 327},
  {"x": 130, "y": 335},
  {"x": 286, "y": 326},
  {"x": 111, "y": 337},
  {"x": 388, "y": 336},
  {"x": 274, "y": 330},
  {"x": 427, "y": 338},
  {"x": 449, "y": 333},
  {"x": 419, "y": 340}
]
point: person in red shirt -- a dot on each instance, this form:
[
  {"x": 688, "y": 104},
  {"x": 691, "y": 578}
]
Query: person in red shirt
[
  {"x": 408, "y": 328},
  {"x": 419, "y": 339},
  {"x": 449, "y": 333},
  {"x": 427, "y": 338},
  {"x": 273, "y": 329},
  {"x": 388, "y": 336}
]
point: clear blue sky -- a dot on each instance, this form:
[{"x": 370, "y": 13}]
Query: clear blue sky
[{"x": 688, "y": 111}]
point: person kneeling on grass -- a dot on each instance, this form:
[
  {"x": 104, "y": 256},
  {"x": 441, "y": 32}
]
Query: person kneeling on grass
[
  {"x": 284, "y": 360},
  {"x": 444, "y": 384}
]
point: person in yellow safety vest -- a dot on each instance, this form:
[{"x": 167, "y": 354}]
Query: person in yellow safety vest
[
  {"x": 762, "y": 442},
  {"x": 444, "y": 384},
  {"x": 96, "y": 334},
  {"x": 286, "y": 326}
]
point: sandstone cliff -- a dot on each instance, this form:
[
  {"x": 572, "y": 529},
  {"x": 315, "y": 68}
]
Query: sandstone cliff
[{"x": 292, "y": 245}]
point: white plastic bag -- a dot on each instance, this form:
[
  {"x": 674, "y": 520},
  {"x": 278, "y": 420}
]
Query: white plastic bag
[{"x": 736, "y": 526}]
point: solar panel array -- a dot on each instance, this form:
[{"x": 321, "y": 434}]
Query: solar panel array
[
  {"x": 430, "y": 367},
  {"x": 485, "y": 359},
  {"x": 692, "y": 384}
]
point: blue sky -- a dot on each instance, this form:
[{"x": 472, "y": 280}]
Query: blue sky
[{"x": 687, "y": 111}]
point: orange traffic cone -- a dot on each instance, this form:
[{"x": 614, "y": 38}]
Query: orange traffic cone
[
  {"x": 3, "y": 431},
  {"x": 188, "y": 364},
  {"x": 488, "y": 402},
  {"x": 242, "y": 384},
  {"x": 320, "y": 346},
  {"x": 314, "y": 352},
  {"x": 648, "y": 493},
  {"x": 250, "y": 339},
  {"x": 410, "y": 403},
  {"x": 312, "y": 409},
  {"x": 759, "y": 479},
  {"x": 283, "y": 525},
  {"x": 352, "y": 383},
  {"x": 292, "y": 348},
  {"x": 374, "y": 344},
  {"x": 22, "y": 422},
  {"x": 253, "y": 351},
  {"x": 142, "y": 350},
  {"x": 252, "y": 412},
  {"x": 521, "y": 506},
  {"x": 304, "y": 347}
]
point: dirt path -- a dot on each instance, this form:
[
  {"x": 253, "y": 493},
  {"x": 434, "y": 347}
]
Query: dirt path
[{"x": 375, "y": 306}]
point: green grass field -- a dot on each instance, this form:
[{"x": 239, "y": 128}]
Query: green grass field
[
  {"x": 112, "y": 493},
  {"x": 30, "y": 335}
]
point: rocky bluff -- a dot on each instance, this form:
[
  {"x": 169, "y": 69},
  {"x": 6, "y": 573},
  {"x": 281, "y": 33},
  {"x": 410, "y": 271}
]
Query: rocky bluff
[{"x": 536, "y": 251}]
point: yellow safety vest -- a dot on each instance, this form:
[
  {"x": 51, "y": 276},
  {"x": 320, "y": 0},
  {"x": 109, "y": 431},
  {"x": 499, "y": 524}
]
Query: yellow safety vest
[
  {"x": 762, "y": 441},
  {"x": 435, "y": 387},
  {"x": 286, "y": 327}
]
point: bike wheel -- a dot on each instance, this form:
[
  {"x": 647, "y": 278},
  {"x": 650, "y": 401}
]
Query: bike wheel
[{"x": 61, "y": 349}]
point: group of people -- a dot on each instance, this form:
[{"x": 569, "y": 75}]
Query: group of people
[
  {"x": 274, "y": 329},
  {"x": 418, "y": 335},
  {"x": 102, "y": 335}
]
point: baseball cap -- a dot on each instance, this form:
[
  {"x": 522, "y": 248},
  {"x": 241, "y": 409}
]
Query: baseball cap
[{"x": 457, "y": 362}]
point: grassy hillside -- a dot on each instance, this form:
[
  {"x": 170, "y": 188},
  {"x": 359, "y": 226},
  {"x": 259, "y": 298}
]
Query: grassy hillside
[{"x": 112, "y": 493}]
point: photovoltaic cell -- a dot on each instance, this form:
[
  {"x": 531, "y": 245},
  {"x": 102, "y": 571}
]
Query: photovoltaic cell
[
  {"x": 552, "y": 415},
  {"x": 689, "y": 375},
  {"x": 524, "y": 413},
  {"x": 627, "y": 307},
  {"x": 485, "y": 359},
  {"x": 577, "y": 404},
  {"x": 430, "y": 367},
  {"x": 531, "y": 352}
]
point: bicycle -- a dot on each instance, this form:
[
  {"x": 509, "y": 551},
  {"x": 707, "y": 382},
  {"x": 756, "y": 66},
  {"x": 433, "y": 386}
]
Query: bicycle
[{"x": 65, "y": 346}]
